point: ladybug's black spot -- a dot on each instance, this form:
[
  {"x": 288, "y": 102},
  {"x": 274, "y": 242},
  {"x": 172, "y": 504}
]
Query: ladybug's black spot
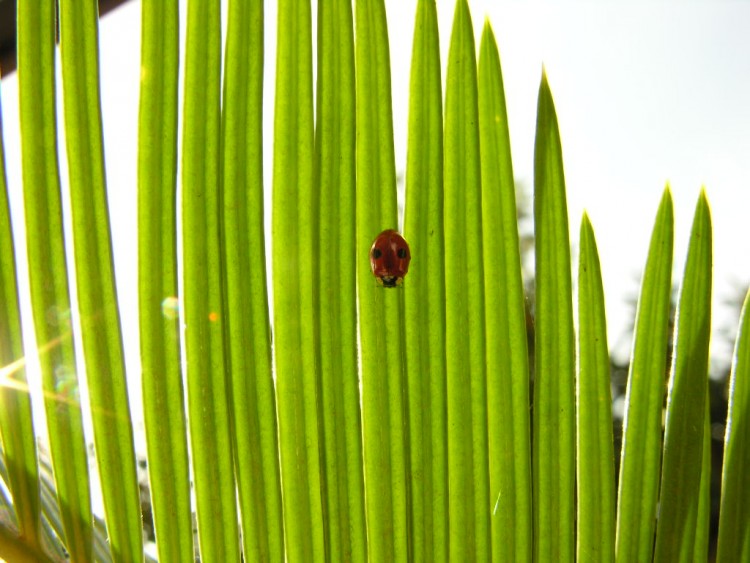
[
  {"x": 401, "y": 253},
  {"x": 376, "y": 253}
]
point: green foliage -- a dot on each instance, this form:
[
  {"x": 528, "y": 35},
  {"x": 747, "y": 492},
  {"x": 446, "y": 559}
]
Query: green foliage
[
  {"x": 344, "y": 504},
  {"x": 424, "y": 297},
  {"x": 294, "y": 274},
  {"x": 381, "y": 325},
  {"x": 734, "y": 526},
  {"x": 553, "y": 453},
  {"x": 423, "y": 451},
  {"x": 595, "y": 469},
  {"x": 209, "y": 408},
  {"x": 161, "y": 374},
  {"x": 246, "y": 312},
  {"x": 682, "y": 464},
  {"x": 507, "y": 354},
  {"x": 468, "y": 466},
  {"x": 48, "y": 280},
  {"x": 641, "y": 452},
  {"x": 97, "y": 296},
  {"x": 16, "y": 425}
]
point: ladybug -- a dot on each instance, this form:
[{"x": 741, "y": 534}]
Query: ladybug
[{"x": 389, "y": 258}]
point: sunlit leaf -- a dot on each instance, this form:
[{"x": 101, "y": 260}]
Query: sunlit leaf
[
  {"x": 207, "y": 381},
  {"x": 507, "y": 354},
  {"x": 642, "y": 427},
  {"x": 48, "y": 278},
  {"x": 16, "y": 425},
  {"x": 380, "y": 309},
  {"x": 469, "y": 500},
  {"x": 734, "y": 519},
  {"x": 161, "y": 374},
  {"x": 337, "y": 316},
  {"x": 295, "y": 203},
  {"x": 595, "y": 467},
  {"x": 97, "y": 295},
  {"x": 554, "y": 348},
  {"x": 687, "y": 399},
  {"x": 424, "y": 296},
  {"x": 246, "y": 314}
]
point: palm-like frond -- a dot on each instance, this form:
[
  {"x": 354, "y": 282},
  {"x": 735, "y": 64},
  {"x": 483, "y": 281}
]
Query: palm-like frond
[{"x": 380, "y": 423}]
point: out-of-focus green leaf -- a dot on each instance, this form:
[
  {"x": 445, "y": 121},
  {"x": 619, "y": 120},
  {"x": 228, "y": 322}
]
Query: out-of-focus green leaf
[
  {"x": 507, "y": 354},
  {"x": 380, "y": 310},
  {"x": 424, "y": 296},
  {"x": 246, "y": 314},
  {"x": 641, "y": 452},
  {"x": 52, "y": 525},
  {"x": 161, "y": 374},
  {"x": 16, "y": 425},
  {"x": 337, "y": 318},
  {"x": 18, "y": 551},
  {"x": 734, "y": 518},
  {"x": 295, "y": 205},
  {"x": 468, "y": 465},
  {"x": 207, "y": 381},
  {"x": 48, "y": 273},
  {"x": 686, "y": 402},
  {"x": 554, "y": 354},
  {"x": 595, "y": 464}
]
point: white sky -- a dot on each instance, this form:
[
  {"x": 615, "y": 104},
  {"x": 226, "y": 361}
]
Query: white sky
[{"x": 645, "y": 93}]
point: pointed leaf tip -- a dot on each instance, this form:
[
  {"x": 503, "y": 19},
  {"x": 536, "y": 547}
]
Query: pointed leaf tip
[
  {"x": 703, "y": 207},
  {"x": 666, "y": 200},
  {"x": 704, "y": 196},
  {"x": 462, "y": 8},
  {"x": 586, "y": 233},
  {"x": 585, "y": 220},
  {"x": 487, "y": 29},
  {"x": 545, "y": 92}
]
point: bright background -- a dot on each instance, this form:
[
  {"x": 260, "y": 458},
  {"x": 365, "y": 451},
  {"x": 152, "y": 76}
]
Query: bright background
[{"x": 645, "y": 93}]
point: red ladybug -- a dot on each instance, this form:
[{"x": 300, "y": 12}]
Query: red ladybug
[{"x": 389, "y": 258}]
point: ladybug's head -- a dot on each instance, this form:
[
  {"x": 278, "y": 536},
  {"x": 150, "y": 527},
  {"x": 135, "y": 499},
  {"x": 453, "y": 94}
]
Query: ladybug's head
[{"x": 390, "y": 281}]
